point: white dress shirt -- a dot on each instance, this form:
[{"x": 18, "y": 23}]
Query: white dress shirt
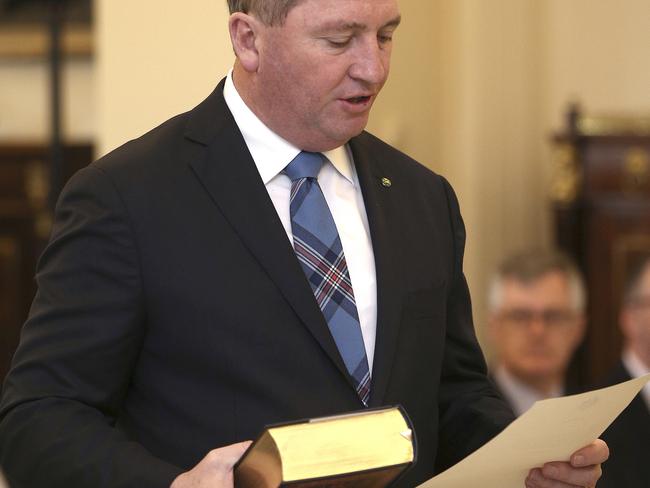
[
  {"x": 637, "y": 368},
  {"x": 340, "y": 186},
  {"x": 520, "y": 395}
]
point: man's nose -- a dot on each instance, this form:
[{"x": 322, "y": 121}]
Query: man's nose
[
  {"x": 537, "y": 325},
  {"x": 371, "y": 63}
]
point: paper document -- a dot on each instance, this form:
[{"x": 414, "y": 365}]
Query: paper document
[{"x": 551, "y": 430}]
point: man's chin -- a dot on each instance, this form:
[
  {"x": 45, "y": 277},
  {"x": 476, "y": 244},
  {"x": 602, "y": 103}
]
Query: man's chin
[
  {"x": 331, "y": 142},
  {"x": 350, "y": 132},
  {"x": 538, "y": 372}
]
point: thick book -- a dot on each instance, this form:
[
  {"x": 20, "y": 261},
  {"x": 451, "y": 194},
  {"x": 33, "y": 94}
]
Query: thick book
[{"x": 366, "y": 449}]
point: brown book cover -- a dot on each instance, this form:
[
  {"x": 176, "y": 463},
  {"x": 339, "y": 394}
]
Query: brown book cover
[{"x": 365, "y": 449}]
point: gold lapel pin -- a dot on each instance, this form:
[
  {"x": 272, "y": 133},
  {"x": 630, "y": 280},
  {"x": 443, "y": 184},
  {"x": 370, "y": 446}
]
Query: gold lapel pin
[{"x": 386, "y": 182}]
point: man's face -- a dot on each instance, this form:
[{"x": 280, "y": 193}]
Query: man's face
[
  {"x": 537, "y": 328},
  {"x": 320, "y": 72},
  {"x": 635, "y": 320}
]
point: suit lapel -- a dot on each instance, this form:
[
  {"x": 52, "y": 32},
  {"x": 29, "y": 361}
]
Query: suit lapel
[
  {"x": 226, "y": 169},
  {"x": 380, "y": 208}
]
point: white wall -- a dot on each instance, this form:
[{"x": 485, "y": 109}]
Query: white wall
[
  {"x": 597, "y": 53},
  {"x": 488, "y": 142},
  {"x": 155, "y": 58},
  {"x": 24, "y": 100}
]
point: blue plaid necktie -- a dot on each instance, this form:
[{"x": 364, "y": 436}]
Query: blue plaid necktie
[{"x": 318, "y": 247}]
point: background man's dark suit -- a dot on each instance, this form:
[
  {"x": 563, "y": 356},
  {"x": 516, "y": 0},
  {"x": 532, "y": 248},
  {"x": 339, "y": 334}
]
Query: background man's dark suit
[
  {"x": 629, "y": 441},
  {"x": 171, "y": 306}
]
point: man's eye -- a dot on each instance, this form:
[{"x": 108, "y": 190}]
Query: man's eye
[
  {"x": 338, "y": 42},
  {"x": 384, "y": 39}
]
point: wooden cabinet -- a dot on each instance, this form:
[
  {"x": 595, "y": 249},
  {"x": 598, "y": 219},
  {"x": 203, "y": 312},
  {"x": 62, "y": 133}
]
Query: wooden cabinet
[
  {"x": 601, "y": 196},
  {"x": 25, "y": 222}
]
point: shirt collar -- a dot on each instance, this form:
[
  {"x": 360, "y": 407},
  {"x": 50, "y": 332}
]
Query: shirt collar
[
  {"x": 636, "y": 368},
  {"x": 634, "y": 365},
  {"x": 271, "y": 153},
  {"x": 520, "y": 395}
]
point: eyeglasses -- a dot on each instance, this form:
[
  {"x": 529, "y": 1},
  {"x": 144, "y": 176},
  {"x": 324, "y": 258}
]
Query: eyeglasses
[
  {"x": 551, "y": 318},
  {"x": 640, "y": 302}
]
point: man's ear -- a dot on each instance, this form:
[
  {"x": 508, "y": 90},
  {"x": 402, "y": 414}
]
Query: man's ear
[{"x": 244, "y": 30}]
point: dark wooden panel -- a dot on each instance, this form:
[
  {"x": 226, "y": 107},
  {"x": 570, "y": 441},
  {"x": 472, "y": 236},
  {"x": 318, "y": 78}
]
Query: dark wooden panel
[
  {"x": 620, "y": 230},
  {"x": 615, "y": 167},
  {"x": 25, "y": 223},
  {"x": 602, "y": 218},
  {"x": 10, "y": 295}
]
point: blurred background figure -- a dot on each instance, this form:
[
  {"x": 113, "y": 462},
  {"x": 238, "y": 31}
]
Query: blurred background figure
[
  {"x": 536, "y": 320},
  {"x": 629, "y": 436}
]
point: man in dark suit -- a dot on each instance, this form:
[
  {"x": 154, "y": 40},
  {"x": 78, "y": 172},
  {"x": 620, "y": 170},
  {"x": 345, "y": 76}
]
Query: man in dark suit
[
  {"x": 173, "y": 315},
  {"x": 629, "y": 434}
]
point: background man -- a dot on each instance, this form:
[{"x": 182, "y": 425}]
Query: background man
[
  {"x": 536, "y": 321},
  {"x": 187, "y": 299},
  {"x": 629, "y": 435}
]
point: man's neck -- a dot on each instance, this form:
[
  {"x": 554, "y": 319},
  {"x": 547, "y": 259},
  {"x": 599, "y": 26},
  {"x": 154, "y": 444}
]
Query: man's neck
[
  {"x": 546, "y": 386},
  {"x": 520, "y": 393},
  {"x": 243, "y": 85}
]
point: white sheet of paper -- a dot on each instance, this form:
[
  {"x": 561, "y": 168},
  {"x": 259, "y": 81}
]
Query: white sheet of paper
[{"x": 551, "y": 430}]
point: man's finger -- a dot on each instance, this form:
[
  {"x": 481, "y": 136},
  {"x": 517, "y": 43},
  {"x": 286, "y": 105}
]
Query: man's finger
[
  {"x": 595, "y": 453},
  {"x": 536, "y": 479},
  {"x": 564, "y": 472}
]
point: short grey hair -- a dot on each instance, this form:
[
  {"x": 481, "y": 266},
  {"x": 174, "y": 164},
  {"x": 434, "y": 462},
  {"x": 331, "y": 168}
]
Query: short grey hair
[
  {"x": 271, "y": 12},
  {"x": 529, "y": 266}
]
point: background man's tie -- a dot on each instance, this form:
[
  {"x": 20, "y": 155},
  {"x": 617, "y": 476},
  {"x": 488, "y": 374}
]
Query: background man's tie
[{"x": 318, "y": 247}]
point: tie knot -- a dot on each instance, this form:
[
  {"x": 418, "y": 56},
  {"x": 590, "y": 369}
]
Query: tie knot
[{"x": 304, "y": 165}]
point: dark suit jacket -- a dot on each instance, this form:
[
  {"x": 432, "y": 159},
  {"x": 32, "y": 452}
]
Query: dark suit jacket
[
  {"x": 629, "y": 442},
  {"x": 172, "y": 316}
]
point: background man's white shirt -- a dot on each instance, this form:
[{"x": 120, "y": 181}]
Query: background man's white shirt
[
  {"x": 637, "y": 368},
  {"x": 520, "y": 396}
]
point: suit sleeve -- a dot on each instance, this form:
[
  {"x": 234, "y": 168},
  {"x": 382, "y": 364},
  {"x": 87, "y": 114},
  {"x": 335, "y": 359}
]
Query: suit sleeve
[
  {"x": 72, "y": 369},
  {"x": 471, "y": 411}
]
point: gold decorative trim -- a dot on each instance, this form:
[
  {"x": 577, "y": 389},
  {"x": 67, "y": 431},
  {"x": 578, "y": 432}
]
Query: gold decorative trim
[
  {"x": 636, "y": 170},
  {"x": 9, "y": 249},
  {"x": 10, "y": 257},
  {"x": 43, "y": 225},
  {"x": 613, "y": 125},
  {"x": 566, "y": 177},
  {"x": 37, "y": 187},
  {"x": 37, "y": 184}
]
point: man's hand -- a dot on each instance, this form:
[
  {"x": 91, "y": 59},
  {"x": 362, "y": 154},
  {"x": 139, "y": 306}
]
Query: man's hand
[
  {"x": 214, "y": 470},
  {"x": 582, "y": 471}
]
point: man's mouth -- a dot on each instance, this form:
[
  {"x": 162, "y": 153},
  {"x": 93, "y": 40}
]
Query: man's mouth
[{"x": 358, "y": 100}]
